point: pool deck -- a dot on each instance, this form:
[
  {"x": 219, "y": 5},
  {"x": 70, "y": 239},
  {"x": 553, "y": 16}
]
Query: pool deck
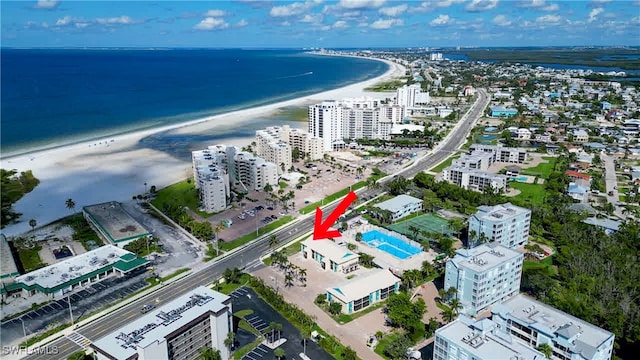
[{"x": 383, "y": 257}]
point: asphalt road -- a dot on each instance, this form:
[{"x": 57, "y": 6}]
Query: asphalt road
[{"x": 249, "y": 255}]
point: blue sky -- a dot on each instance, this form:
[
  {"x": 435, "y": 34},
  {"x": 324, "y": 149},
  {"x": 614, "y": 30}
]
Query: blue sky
[{"x": 316, "y": 23}]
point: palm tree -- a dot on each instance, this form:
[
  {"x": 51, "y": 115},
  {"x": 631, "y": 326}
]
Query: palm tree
[
  {"x": 279, "y": 329},
  {"x": 359, "y": 237},
  {"x": 546, "y": 350},
  {"x": 273, "y": 240},
  {"x": 208, "y": 353},
  {"x": 33, "y": 224},
  {"x": 455, "y": 305},
  {"x": 448, "y": 314},
  {"x": 349, "y": 354},
  {"x": 305, "y": 333},
  {"x": 302, "y": 274},
  {"x": 230, "y": 340},
  {"x": 70, "y": 204},
  {"x": 272, "y": 327},
  {"x": 414, "y": 231},
  {"x": 288, "y": 280},
  {"x": 471, "y": 238}
]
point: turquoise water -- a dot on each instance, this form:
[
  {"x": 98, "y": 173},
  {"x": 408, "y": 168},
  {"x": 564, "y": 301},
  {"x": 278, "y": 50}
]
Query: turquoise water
[
  {"x": 390, "y": 244},
  {"x": 520, "y": 179}
]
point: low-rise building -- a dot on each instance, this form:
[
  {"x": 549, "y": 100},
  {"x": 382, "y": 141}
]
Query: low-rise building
[
  {"x": 198, "y": 319},
  {"x": 483, "y": 276},
  {"x": 466, "y": 338},
  {"x": 77, "y": 272},
  {"x": 330, "y": 255},
  {"x": 401, "y": 206},
  {"x": 113, "y": 223},
  {"x": 505, "y": 224},
  {"x": 474, "y": 179},
  {"x": 577, "y": 192},
  {"x": 478, "y": 160},
  {"x": 609, "y": 226},
  {"x": 502, "y": 153},
  {"x": 580, "y": 136},
  {"x": 500, "y": 111},
  {"x": 533, "y": 323},
  {"x": 365, "y": 290}
]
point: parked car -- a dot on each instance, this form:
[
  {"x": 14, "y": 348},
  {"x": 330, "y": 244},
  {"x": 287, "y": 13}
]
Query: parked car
[{"x": 270, "y": 208}]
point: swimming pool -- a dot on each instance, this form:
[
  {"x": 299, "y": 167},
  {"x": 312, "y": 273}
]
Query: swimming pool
[
  {"x": 390, "y": 244},
  {"x": 521, "y": 179}
]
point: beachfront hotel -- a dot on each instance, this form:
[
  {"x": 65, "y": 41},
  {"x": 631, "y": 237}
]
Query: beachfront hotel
[
  {"x": 77, "y": 272},
  {"x": 178, "y": 330},
  {"x": 466, "y": 338},
  {"x": 533, "y": 323},
  {"x": 114, "y": 224},
  {"x": 330, "y": 256},
  {"x": 363, "y": 291},
  {"x": 219, "y": 169},
  {"x": 505, "y": 224},
  {"x": 483, "y": 276},
  {"x": 275, "y": 144}
]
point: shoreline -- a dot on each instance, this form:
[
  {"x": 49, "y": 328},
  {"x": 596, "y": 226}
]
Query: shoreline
[{"x": 116, "y": 168}]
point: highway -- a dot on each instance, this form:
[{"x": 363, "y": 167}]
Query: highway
[{"x": 250, "y": 254}]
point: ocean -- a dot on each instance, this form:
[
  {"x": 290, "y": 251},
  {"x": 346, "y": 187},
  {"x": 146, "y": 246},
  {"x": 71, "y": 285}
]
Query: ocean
[{"x": 53, "y": 96}]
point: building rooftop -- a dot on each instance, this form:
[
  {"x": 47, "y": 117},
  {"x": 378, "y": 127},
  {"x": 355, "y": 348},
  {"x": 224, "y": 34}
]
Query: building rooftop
[
  {"x": 8, "y": 266},
  {"x": 159, "y": 323},
  {"x": 545, "y": 319},
  {"x": 484, "y": 174},
  {"x": 398, "y": 203},
  {"x": 484, "y": 340},
  {"x": 363, "y": 285},
  {"x": 499, "y": 212},
  {"x": 484, "y": 257},
  {"x": 603, "y": 223},
  {"x": 578, "y": 175},
  {"x": 80, "y": 267},
  {"x": 327, "y": 248},
  {"x": 116, "y": 223}
]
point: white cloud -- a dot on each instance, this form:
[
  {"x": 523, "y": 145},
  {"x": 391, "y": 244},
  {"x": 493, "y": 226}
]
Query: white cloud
[
  {"x": 215, "y": 13},
  {"x": 481, "y": 5},
  {"x": 551, "y": 7},
  {"x": 285, "y": 23},
  {"x": 242, "y": 23},
  {"x": 427, "y": 6},
  {"x": 361, "y": 4},
  {"x": 119, "y": 20},
  {"x": 442, "y": 20},
  {"x": 597, "y": 2},
  {"x": 386, "y": 24},
  {"x": 293, "y": 9},
  {"x": 501, "y": 20},
  {"x": 64, "y": 21},
  {"x": 47, "y": 4},
  {"x": 394, "y": 11},
  {"x": 549, "y": 19},
  {"x": 81, "y": 25},
  {"x": 211, "y": 23},
  {"x": 312, "y": 19},
  {"x": 340, "y": 24},
  {"x": 593, "y": 14},
  {"x": 539, "y": 5}
]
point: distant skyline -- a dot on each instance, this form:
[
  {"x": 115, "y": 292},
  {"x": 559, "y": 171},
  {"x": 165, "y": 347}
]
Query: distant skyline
[{"x": 317, "y": 23}]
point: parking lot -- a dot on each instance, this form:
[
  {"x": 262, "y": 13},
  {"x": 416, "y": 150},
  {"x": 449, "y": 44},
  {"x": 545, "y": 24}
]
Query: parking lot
[
  {"x": 262, "y": 316},
  {"x": 83, "y": 302}
]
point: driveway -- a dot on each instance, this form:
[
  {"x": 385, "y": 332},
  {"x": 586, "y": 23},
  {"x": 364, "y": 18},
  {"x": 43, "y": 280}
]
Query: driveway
[{"x": 611, "y": 183}]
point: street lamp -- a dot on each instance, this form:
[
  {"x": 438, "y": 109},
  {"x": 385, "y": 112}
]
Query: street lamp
[
  {"x": 24, "y": 330},
  {"x": 70, "y": 311}
]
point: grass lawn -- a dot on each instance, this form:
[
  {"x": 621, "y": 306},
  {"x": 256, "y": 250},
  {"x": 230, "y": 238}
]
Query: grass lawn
[
  {"x": 243, "y": 313},
  {"x": 445, "y": 163},
  {"x": 240, "y": 353},
  {"x": 390, "y": 85},
  {"x": 546, "y": 263},
  {"x": 288, "y": 251},
  {"x": 183, "y": 194},
  {"x": 312, "y": 207},
  {"x": 30, "y": 259},
  {"x": 542, "y": 170},
  {"x": 531, "y": 194},
  {"x": 228, "y": 288},
  {"x": 226, "y": 246},
  {"x": 384, "y": 342}
]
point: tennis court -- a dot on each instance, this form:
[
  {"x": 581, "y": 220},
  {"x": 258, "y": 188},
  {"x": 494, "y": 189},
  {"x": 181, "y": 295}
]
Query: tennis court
[{"x": 426, "y": 222}]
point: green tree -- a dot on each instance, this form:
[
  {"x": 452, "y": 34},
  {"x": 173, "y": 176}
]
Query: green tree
[
  {"x": 546, "y": 350},
  {"x": 335, "y": 308},
  {"x": 406, "y": 314},
  {"x": 208, "y": 353},
  {"x": 33, "y": 223},
  {"x": 397, "y": 348},
  {"x": 349, "y": 354},
  {"x": 295, "y": 154},
  {"x": 358, "y": 236},
  {"x": 344, "y": 226},
  {"x": 78, "y": 355},
  {"x": 366, "y": 260},
  {"x": 279, "y": 353},
  {"x": 230, "y": 340},
  {"x": 268, "y": 188},
  {"x": 273, "y": 241},
  {"x": 231, "y": 276}
]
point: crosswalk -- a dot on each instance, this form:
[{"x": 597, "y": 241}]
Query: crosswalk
[{"x": 77, "y": 338}]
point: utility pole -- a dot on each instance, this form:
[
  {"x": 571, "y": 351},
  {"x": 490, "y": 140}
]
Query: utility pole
[{"x": 24, "y": 330}]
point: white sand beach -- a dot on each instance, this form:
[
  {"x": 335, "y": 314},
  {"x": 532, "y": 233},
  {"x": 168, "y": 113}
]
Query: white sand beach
[{"x": 115, "y": 168}]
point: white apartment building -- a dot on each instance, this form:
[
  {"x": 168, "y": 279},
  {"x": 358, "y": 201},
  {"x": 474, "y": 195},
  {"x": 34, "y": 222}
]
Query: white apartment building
[
  {"x": 466, "y": 338},
  {"x": 501, "y": 153},
  {"x": 270, "y": 145},
  {"x": 477, "y": 160},
  {"x": 474, "y": 179},
  {"x": 177, "y": 330},
  {"x": 411, "y": 96},
  {"x": 395, "y": 113},
  {"x": 532, "y": 323},
  {"x": 365, "y": 123},
  {"x": 483, "y": 276},
  {"x": 252, "y": 172},
  {"x": 505, "y": 224},
  {"x": 325, "y": 121},
  {"x": 213, "y": 184},
  {"x": 311, "y": 146},
  {"x": 401, "y": 206}
]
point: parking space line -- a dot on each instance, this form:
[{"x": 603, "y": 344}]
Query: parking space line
[{"x": 261, "y": 349}]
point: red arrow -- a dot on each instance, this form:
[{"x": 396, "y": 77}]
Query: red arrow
[{"x": 321, "y": 229}]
